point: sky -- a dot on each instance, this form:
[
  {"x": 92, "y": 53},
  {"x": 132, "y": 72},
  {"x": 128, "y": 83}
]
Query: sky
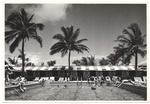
[{"x": 99, "y": 23}]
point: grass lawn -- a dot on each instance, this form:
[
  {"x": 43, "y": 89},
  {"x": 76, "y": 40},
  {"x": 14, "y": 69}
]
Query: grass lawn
[{"x": 51, "y": 92}]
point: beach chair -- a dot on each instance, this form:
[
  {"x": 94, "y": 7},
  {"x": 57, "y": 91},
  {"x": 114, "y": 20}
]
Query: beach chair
[
  {"x": 145, "y": 80},
  {"x": 61, "y": 79},
  {"x": 139, "y": 81},
  {"x": 135, "y": 82},
  {"x": 108, "y": 79},
  {"x": 46, "y": 78},
  {"x": 15, "y": 81},
  {"x": 52, "y": 79},
  {"x": 36, "y": 79}
]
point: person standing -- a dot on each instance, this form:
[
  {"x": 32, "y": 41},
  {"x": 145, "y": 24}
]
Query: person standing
[{"x": 102, "y": 80}]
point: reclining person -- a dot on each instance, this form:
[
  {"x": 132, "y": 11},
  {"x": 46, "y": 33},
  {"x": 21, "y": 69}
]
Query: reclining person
[
  {"x": 20, "y": 84},
  {"x": 130, "y": 81}
]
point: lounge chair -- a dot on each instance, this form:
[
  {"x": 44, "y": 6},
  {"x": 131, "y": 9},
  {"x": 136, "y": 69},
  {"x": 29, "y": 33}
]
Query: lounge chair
[
  {"x": 45, "y": 78},
  {"x": 139, "y": 80},
  {"x": 145, "y": 79},
  {"x": 15, "y": 81},
  {"x": 130, "y": 81},
  {"x": 36, "y": 79},
  {"x": 52, "y": 79},
  {"x": 108, "y": 79},
  {"x": 61, "y": 79}
]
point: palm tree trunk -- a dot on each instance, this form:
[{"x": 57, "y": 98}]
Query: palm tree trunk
[
  {"x": 23, "y": 58},
  {"x": 69, "y": 62},
  {"x": 136, "y": 61}
]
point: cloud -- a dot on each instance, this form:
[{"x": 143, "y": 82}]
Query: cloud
[{"x": 44, "y": 12}]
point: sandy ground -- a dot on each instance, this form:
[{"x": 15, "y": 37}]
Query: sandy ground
[{"x": 51, "y": 92}]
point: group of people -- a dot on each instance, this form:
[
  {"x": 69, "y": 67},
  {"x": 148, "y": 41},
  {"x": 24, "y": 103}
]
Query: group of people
[{"x": 100, "y": 80}]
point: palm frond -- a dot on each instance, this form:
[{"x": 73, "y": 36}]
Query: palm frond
[
  {"x": 24, "y": 16},
  {"x": 142, "y": 52},
  {"x": 13, "y": 25},
  {"x": 65, "y": 32},
  {"x": 40, "y": 26},
  {"x": 59, "y": 37},
  {"x": 30, "y": 19},
  {"x": 82, "y": 40},
  {"x": 77, "y": 49},
  {"x": 123, "y": 39},
  {"x": 75, "y": 35},
  {"x": 84, "y": 61},
  {"x": 128, "y": 33},
  {"x": 10, "y": 35},
  {"x": 135, "y": 28},
  {"x": 58, "y": 44},
  {"x": 64, "y": 52},
  {"x": 14, "y": 15},
  {"x": 70, "y": 30},
  {"x": 11, "y": 60},
  {"x": 83, "y": 47},
  {"x": 37, "y": 38},
  {"x": 15, "y": 44},
  {"x": 127, "y": 59}
]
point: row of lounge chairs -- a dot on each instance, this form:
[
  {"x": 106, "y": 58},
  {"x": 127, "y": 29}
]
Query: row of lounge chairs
[
  {"x": 118, "y": 81},
  {"x": 107, "y": 79},
  {"x": 61, "y": 79},
  {"x": 137, "y": 81}
]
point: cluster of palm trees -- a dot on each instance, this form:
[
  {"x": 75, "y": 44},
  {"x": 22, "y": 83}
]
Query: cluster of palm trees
[
  {"x": 21, "y": 29},
  {"x": 68, "y": 42},
  {"x": 51, "y": 63},
  {"x": 131, "y": 43},
  {"x": 85, "y": 61},
  {"x": 15, "y": 61}
]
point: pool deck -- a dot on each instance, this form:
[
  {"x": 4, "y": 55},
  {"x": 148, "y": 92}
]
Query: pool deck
[{"x": 142, "y": 91}]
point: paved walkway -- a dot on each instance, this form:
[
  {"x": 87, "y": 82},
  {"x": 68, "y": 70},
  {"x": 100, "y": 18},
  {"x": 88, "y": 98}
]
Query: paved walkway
[{"x": 52, "y": 92}]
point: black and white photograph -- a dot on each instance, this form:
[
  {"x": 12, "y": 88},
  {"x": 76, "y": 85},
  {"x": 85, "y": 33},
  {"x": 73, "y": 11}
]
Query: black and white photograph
[{"x": 75, "y": 52}]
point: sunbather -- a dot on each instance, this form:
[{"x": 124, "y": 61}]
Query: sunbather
[
  {"x": 130, "y": 81},
  {"x": 42, "y": 82},
  {"x": 20, "y": 85}
]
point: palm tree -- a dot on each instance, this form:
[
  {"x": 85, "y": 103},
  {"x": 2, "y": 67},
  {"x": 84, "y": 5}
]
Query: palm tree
[
  {"x": 134, "y": 41},
  {"x": 88, "y": 61},
  {"x": 26, "y": 60},
  {"x": 21, "y": 29},
  {"x": 120, "y": 52},
  {"x": 51, "y": 63},
  {"x": 112, "y": 59},
  {"x": 76, "y": 62},
  {"x": 42, "y": 63},
  {"x": 30, "y": 64},
  {"x": 104, "y": 61},
  {"x": 67, "y": 42},
  {"x": 13, "y": 61},
  {"x": 92, "y": 61}
]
